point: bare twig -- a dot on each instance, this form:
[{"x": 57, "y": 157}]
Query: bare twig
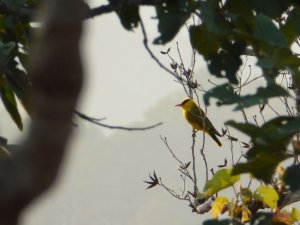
[
  {"x": 145, "y": 41},
  {"x": 164, "y": 140},
  {"x": 97, "y": 122},
  {"x": 194, "y": 161}
]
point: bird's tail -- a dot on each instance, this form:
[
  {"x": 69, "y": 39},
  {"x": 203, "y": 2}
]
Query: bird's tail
[{"x": 213, "y": 136}]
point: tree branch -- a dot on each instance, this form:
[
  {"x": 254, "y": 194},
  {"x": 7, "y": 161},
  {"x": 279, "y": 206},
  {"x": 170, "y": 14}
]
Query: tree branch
[
  {"x": 57, "y": 78},
  {"x": 97, "y": 122}
]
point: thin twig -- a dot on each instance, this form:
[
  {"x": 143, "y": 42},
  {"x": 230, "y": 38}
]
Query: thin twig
[
  {"x": 231, "y": 145},
  {"x": 203, "y": 146},
  {"x": 96, "y": 121},
  {"x": 145, "y": 42},
  {"x": 164, "y": 140},
  {"x": 194, "y": 160}
]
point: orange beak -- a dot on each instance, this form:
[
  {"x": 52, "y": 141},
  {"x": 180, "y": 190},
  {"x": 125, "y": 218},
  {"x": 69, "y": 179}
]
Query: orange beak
[{"x": 178, "y": 105}]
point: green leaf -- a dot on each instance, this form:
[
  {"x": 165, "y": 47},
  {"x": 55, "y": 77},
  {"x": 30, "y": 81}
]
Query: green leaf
[
  {"x": 200, "y": 195},
  {"x": 212, "y": 17},
  {"x": 129, "y": 17},
  {"x": 227, "y": 61},
  {"x": 275, "y": 133},
  {"x": 267, "y": 195},
  {"x": 271, "y": 8},
  {"x": 127, "y": 12},
  {"x": 171, "y": 15},
  {"x": 14, "y": 3},
  {"x": 9, "y": 101},
  {"x": 225, "y": 95},
  {"x": 291, "y": 29},
  {"x": 269, "y": 146},
  {"x": 6, "y": 48},
  {"x": 261, "y": 96},
  {"x": 262, "y": 166},
  {"x": 18, "y": 82},
  {"x": 267, "y": 31},
  {"x": 204, "y": 41},
  {"x": 221, "y": 180},
  {"x": 291, "y": 177}
]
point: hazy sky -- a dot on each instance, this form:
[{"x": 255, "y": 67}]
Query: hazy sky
[{"x": 102, "y": 178}]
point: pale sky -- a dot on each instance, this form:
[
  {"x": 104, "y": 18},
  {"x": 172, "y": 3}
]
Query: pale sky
[{"x": 102, "y": 178}]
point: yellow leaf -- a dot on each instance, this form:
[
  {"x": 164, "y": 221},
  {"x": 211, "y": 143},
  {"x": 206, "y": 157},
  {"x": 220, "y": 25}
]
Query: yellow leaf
[
  {"x": 218, "y": 206},
  {"x": 246, "y": 213},
  {"x": 221, "y": 180},
  {"x": 295, "y": 214},
  {"x": 267, "y": 195}
]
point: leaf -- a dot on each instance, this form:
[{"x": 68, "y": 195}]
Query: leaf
[
  {"x": 9, "y": 101},
  {"x": 171, "y": 15},
  {"x": 267, "y": 31},
  {"x": 14, "y": 3},
  {"x": 274, "y": 135},
  {"x": 129, "y": 17},
  {"x": 218, "y": 206},
  {"x": 6, "y": 48},
  {"x": 127, "y": 12},
  {"x": 200, "y": 196},
  {"x": 291, "y": 177},
  {"x": 246, "y": 213},
  {"x": 154, "y": 181},
  {"x": 261, "y": 96},
  {"x": 295, "y": 214},
  {"x": 227, "y": 61},
  {"x": 291, "y": 29},
  {"x": 267, "y": 195},
  {"x": 271, "y": 8},
  {"x": 5, "y": 52},
  {"x": 204, "y": 41},
  {"x": 225, "y": 95},
  {"x": 269, "y": 146},
  {"x": 212, "y": 17},
  {"x": 262, "y": 166},
  {"x": 221, "y": 180},
  {"x": 18, "y": 82}
]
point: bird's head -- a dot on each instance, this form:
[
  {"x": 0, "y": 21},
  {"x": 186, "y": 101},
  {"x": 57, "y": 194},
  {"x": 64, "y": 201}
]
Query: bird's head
[{"x": 185, "y": 104}]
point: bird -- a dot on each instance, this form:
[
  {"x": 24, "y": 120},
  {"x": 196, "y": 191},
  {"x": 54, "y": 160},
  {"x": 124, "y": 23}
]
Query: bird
[{"x": 195, "y": 116}]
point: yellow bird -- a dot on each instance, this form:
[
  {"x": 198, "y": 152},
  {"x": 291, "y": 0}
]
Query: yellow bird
[{"x": 195, "y": 117}]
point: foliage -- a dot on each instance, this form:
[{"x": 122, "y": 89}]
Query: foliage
[
  {"x": 14, "y": 47},
  {"x": 222, "y": 32}
]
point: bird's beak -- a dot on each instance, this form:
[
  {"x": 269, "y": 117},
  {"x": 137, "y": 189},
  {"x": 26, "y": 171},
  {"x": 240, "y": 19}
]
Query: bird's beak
[{"x": 178, "y": 105}]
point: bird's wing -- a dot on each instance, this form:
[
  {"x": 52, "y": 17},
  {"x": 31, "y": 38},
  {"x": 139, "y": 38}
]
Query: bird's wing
[{"x": 196, "y": 115}]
